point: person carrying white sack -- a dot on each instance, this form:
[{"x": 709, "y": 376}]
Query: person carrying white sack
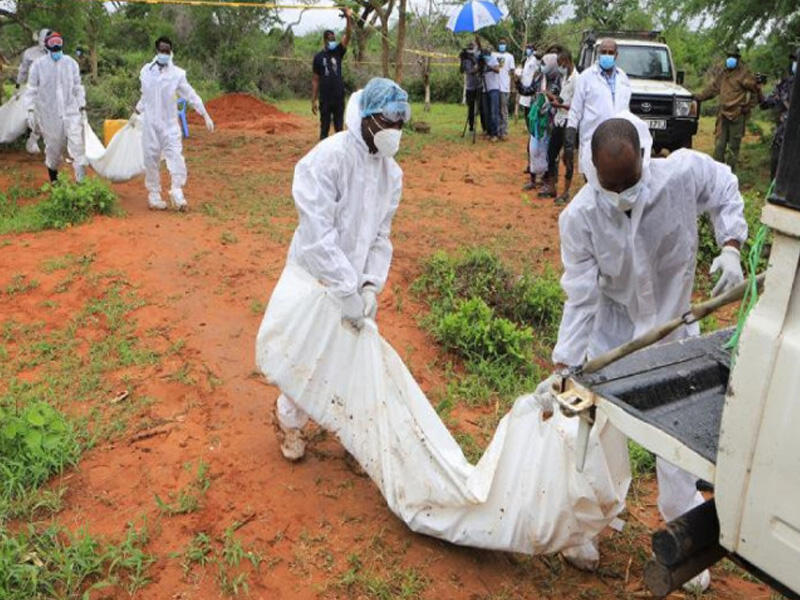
[
  {"x": 56, "y": 101},
  {"x": 162, "y": 83},
  {"x": 629, "y": 247},
  {"x": 346, "y": 191},
  {"x": 28, "y": 58}
]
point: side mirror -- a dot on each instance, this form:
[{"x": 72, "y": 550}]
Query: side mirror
[{"x": 679, "y": 76}]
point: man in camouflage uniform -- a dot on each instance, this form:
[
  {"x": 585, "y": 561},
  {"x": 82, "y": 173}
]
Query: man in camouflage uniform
[
  {"x": 779, "y": 100},
  {"x": 738, "y": 92}
]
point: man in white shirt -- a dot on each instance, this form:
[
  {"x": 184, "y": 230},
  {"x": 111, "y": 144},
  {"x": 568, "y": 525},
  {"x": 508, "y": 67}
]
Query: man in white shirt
[
  {"x": 507, "y": 66},
  {"x": 491, "y": 95},
  {"x": 602, "y": 91},
  {"x": 561, "y": 102}
]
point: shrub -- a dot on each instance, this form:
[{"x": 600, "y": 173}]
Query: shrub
[{"x": 73, "y": 203}]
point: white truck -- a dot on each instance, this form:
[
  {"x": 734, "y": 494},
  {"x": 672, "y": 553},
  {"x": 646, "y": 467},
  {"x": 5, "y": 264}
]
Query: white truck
[{"x": 658, "y": 95}]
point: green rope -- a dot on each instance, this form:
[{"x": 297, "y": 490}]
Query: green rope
[{"x": 750, "y": 297}]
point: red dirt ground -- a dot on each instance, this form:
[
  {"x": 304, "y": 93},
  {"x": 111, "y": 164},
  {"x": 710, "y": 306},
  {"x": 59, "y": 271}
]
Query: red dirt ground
[
  {"x": 206, "y": 276},
  {"x": 244, "y": 112}
]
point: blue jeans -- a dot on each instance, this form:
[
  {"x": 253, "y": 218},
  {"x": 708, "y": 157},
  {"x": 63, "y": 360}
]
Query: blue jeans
[{"x": 492, "y": 108}]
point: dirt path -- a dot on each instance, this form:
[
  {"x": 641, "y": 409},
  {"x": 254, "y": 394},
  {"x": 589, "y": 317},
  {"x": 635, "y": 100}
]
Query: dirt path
[{"x": 206, "y": 276}]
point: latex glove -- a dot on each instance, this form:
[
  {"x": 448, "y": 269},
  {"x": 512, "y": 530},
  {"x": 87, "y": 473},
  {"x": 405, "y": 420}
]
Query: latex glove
[
  {"x": 729, "y": 264},
  {"x": 546, "y": 393},
  {"x": 353, "y": 309},
  {"x": 31, "y": 121},
  {"x": 370, "y": 298},
  {"x": 209, "y": 122}
]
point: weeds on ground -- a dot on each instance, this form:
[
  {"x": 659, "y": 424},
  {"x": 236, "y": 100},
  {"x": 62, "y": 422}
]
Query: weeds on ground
[
  {"x": 397, "y": 584},
  {"x": 642, "y": 461},
  {"x": 62, "y": 204},
  {"x": 493, "y": 319},
  {"x": 187, "y": 499},
  {"x": 226, "y": 555}
]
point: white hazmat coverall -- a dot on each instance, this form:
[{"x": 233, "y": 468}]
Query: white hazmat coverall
[
  {"x": 592, "y": 103},
  {"x": 28, "y": 57},
  {"x": 56, "y": 94},
  {"x": 346, "y": 199},
  {"x": 161, "y": 132},
  {"x": 625, "y": 275}
]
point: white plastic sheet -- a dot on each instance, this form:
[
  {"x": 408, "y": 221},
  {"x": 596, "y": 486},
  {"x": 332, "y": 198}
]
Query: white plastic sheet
[
  {"x": 524, "y": 494},
  {"x": 124, "y": 157},
  {"x": 13, "y": 119}
]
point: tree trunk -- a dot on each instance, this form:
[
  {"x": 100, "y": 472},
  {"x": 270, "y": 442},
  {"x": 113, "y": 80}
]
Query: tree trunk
[
  {"x": 426, "y": 80},
  {"x": 401, "y": 42},
  {"x": 385, "y": 46}
]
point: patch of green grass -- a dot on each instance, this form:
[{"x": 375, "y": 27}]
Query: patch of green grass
[
  {"x": 227, "y": 238},
  {"x": 59, "y": 205},
  {"x": 397, "y": 584},
  {"x": 188, "y": 498},
  {"x": 55, "y": 563},
  {"x": 20, "y": 284},
  {"x": 642, "y": 460}
]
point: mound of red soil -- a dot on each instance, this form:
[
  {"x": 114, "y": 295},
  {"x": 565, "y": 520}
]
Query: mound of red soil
[{"x": 247, "y": 113}]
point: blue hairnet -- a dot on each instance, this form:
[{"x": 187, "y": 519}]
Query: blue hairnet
[{"x": 383, "y": 96}]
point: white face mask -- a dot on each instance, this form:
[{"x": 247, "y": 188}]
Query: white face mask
[
  {"x": 387, "y": 141},
  {"x": 625, "y": 199}
]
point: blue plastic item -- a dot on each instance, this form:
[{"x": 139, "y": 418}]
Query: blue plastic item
[{"x": 182, "y": 117}]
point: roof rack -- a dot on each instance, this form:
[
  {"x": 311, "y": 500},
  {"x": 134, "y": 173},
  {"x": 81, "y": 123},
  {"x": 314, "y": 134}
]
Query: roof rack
[{"x": 651, "y": 36}]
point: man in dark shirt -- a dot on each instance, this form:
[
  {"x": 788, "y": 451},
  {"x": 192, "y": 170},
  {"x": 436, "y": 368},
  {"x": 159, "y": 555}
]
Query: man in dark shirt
[
  {"x": 327, "y": 86},
  {"x": 779, "y": 100}
]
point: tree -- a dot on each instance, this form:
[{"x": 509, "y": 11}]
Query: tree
[
  {"x": 428, "y": 32},
  {"x": 609, "y": 15},
  {"x": 527, "y": 20}
]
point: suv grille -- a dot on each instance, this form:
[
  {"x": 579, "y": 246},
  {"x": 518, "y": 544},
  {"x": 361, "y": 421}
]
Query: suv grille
[{"x": 651, "y": 106}]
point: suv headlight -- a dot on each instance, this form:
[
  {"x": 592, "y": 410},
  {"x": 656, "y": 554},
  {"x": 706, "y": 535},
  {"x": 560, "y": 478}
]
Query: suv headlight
[{"x": 683, "y": 107}]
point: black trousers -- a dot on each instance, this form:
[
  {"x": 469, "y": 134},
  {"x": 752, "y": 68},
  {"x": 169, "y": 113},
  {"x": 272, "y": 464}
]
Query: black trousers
[
  {"x": 330, "y": 109},
  {"x": 553, "y": 150},
  {"x": 472, "y": 96}
]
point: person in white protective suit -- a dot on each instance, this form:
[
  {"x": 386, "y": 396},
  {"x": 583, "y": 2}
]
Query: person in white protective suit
[
  {"x": 162, "y": 84},
  {"x": 28, "y": 57},
  {"x": 601, "y": 91},
  {"x": 346, "y": 191},
  {"x": 56, "y": 102},
  {"x": 629, "y": 248}
]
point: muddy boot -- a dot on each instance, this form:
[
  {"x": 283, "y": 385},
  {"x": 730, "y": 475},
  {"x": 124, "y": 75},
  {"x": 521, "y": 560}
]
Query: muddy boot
[
  {"x": 531, "y": 185},
  {"x": 178, "y": 200},
  {"x": 548, "y": 190},
  {"x": 293, "y": 444},
  {"x": 154, "y": 202}
]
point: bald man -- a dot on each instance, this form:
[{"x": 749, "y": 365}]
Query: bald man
[
  {"x": 601, "y": 91},
  {"x": 629, "y": 249}
]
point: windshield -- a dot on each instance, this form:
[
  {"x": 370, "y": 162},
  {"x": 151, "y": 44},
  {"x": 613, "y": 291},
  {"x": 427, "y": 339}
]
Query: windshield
[{"x": 645, "y": 62}]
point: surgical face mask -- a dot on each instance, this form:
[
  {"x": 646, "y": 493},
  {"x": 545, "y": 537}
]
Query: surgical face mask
[
  {"x": 387, "y": 141},
  {"x": 163, "y": 59},
  {"x": 528, "y": 51},
  {"x": 501, "y": 47},
  {"x": 56, "y": 56},
  {"x": 731, "y": 62},
  {"x": 794, "y": 68},
  {"x": 607, "y": 61},
  {"x": 332, "y": 45},
  {"x": 562, "y": 71},
  {"x": 625, "y": 199}
]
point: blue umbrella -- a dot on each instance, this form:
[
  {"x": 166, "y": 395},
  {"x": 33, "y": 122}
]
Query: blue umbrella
[{"x": 475, "y": 15}]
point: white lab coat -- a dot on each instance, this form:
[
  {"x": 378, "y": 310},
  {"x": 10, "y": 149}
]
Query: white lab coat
[
  {"x": 625, "y": 275},
  {"x": 161, "y": 132},
  {"x": 529, "y": 71},
  {"x": 592, "y": 104},
  {"x": 56, "y": 95},
  {"x": 346, "y": 199}
]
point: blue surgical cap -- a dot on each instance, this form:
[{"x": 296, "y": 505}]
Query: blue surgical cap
[{"x": 383, "y": 96}]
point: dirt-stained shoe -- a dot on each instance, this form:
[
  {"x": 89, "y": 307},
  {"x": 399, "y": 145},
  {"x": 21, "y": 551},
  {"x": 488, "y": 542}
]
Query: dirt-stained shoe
[
  {"x": 293, "y": 444},
  {"x": 178, "y": 200},
  {"x": 154, "y": 202}
]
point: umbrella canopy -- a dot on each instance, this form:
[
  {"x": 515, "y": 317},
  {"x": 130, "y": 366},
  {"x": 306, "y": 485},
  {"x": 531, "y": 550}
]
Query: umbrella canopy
[{"x": 475, "y": 15}]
